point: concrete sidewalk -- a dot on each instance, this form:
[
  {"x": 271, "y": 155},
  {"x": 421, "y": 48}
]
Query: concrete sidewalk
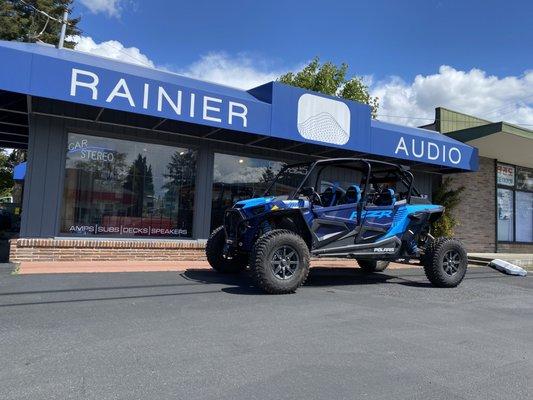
[
  {"x": 522, "y": 260},
  {"x": 64, "y": 267}
]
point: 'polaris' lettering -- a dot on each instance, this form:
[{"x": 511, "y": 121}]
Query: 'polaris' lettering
[{"x": 384, "y": 250}]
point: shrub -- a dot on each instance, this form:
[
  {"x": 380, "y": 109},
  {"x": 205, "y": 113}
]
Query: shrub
[{"x": 448, "y": 197}]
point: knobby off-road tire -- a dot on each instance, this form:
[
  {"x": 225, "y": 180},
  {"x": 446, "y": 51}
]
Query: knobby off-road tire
[
  {"x": 279, "y": 262},
  {"x": 427, "y": 251},
  {"x": 372, "y": 265},
  {"x": 214, "y": 253},
  {"x": 445, "y": 262}
]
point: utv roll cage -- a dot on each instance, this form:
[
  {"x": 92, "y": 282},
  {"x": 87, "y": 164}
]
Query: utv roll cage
[{"x": 368, "y": 168}]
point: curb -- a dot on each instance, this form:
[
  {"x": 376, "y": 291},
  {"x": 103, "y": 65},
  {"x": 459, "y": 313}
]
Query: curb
[{"x": 65, "y": 267}]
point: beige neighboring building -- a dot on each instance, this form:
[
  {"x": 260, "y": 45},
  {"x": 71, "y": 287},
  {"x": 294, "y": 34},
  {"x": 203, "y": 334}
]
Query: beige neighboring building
[{"x": 496, "y": 209}]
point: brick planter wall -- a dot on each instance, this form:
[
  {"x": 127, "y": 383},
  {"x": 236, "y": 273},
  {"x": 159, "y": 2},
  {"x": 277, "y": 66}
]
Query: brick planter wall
[
  {"x": 104, "y": 250},
  {"x": 519, "y": 248}
]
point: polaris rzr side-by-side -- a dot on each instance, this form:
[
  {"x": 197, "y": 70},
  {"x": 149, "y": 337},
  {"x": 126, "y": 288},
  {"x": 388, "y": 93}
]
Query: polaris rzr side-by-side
[{"x": 353, "y": 208}]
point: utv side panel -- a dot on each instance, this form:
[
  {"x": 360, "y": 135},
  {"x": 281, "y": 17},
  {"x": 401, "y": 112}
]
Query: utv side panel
[{"x": 386, "y": 248}]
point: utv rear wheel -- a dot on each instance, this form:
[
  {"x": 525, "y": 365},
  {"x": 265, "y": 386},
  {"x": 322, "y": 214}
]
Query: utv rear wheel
[
  {"x": 280, "y": 262},
  {"x": 445, "y": 262},
  {"x": 214, "y": 251},
  {"x": 372, "y": 265}
]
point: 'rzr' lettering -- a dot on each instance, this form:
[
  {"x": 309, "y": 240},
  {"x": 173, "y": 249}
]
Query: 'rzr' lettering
[
  {"x": 373, "y": 214},
  {"x": 379, "y": 214}
]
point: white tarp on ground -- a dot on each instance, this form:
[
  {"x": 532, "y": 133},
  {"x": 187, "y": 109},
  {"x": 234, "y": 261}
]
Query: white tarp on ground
[{"x": 507, "y": 267}]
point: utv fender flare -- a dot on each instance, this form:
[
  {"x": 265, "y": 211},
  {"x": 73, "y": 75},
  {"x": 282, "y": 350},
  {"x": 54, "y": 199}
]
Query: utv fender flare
[
  {"x": 292, "y": 220},
  {"x": 431, "y": 214},
  {"x": 435, "y": 216}
]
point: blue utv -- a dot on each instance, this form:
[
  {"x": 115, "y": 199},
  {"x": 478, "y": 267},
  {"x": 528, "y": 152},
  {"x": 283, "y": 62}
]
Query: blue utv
[{"x": 354, "y": 208}]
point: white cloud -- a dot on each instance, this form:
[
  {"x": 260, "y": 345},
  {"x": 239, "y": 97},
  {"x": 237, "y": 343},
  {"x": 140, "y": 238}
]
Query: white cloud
[
  {"x": 112, "y": 8},
  {"x": 408, "y": 103},
  {"x": 112, "y": 49},
  {"x": 242, "y": 175},
  {"x": 471, "y": 92},
  {"x": 241, "y": 71}
]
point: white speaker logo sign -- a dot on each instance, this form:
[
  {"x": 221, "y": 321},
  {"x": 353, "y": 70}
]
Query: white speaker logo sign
[{"x": 323, "y": 120}]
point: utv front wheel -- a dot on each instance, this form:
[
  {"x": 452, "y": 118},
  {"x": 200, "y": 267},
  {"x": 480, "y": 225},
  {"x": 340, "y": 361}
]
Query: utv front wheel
[
  {"x": 280, "y": 262},
  {"x": 445, "y": 262},
  {"x": 372, "y": 265},
  {"x": 214, "y": 251}
]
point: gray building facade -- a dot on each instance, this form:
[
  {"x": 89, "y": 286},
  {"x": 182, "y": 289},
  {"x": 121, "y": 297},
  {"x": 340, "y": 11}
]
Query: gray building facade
[{"x": 130, "y": 163}]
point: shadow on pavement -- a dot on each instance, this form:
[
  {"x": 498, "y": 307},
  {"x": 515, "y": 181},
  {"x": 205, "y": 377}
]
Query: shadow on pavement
[
  {"x": 318, "y": 277},
  {"x": 240, "y": 284},
  {"x": 101, "y": 288},
  {"x": 142, "y": 296}
]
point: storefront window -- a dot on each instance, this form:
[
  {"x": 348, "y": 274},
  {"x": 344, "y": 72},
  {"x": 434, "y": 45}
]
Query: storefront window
[
  {"x": 524, "y": 217},
  {"x": 237, "y": 178},
  {"x": 124, "y": 188},
  {"x": 515, "y": 203},
  {"x": 505, "y": 175},
  {"x": 524, "y": 179},
  {"x": 505, "y": 215}
]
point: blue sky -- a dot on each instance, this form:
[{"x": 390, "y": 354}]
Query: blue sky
[{"x": 414, "y": 54}]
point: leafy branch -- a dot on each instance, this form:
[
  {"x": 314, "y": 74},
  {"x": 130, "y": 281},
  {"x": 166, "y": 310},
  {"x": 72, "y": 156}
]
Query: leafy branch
[{"x": 449, "y": 197}]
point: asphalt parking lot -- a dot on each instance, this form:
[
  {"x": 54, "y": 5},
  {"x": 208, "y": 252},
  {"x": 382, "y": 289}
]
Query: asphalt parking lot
[{"x": 200, "y": 335}]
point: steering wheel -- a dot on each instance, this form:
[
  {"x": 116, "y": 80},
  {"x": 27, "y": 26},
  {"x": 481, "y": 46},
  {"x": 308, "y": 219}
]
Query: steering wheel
[
  {"x": 317, "y": 199},
  {"x": 312, "y": 195}
]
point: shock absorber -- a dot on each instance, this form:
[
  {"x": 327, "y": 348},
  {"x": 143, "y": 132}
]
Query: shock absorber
[
  {"x": 412, "y": 245},
  {"x": 265, "y": 227}
]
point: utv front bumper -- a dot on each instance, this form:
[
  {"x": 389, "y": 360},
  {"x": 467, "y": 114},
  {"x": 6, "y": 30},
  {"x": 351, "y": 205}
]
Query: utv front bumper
[
  {"x": 233, "y": 223},
  {"x": 240, "y": 230}
]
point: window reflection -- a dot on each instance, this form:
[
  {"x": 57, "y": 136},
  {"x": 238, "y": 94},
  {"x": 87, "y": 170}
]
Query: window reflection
[
  {"x": 118, "y": 187},
  {"x": 505, "y": 215},
  {"x": 524, "y": 216},
  {"x": 237, "y": 178}
]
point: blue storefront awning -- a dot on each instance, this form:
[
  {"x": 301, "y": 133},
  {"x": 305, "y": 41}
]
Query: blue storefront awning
[
  {"x": 273, "y": 110},
  {"x": 19, "y": 172},
  {"x": 426, "y": 146}
]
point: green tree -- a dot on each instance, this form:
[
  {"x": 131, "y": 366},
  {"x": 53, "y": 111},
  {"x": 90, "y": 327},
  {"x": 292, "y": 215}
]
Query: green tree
[
  {"x": 6, "y": 174},
  {"x": 139, "y": 184},
  {"x": 449, "y": 197},
  {"x": 268, "y": 175},
  {"x": 20, "y": 21},
  {"x": 7, "y": 163},
  {"x": 330, "y": 79},
  {"x": 17, "y": 156},
  {"x": 180, "y": 181}
]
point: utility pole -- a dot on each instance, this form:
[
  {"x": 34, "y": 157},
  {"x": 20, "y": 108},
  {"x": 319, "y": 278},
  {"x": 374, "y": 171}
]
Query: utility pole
[{"x": 63, "y": 30}]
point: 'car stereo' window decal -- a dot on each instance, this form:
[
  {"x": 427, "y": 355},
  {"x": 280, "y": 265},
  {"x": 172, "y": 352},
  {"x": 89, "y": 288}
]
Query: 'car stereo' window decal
[{"x": 324, "y": 120}]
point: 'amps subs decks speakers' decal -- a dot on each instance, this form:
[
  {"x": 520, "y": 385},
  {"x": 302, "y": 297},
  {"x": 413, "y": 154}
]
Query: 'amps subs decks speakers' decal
[{"x": 323, "y": 120}]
